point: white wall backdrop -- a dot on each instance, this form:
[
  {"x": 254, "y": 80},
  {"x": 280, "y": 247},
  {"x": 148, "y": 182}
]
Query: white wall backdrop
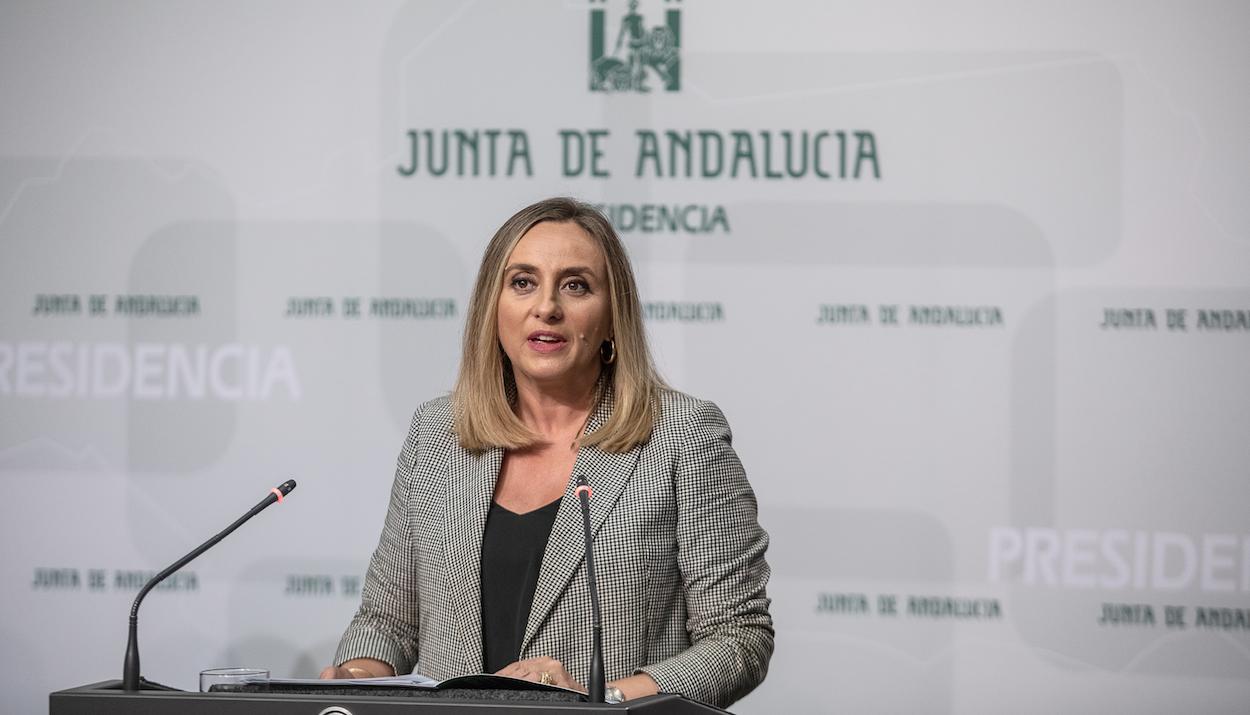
[{"x": 971, "y": 281}]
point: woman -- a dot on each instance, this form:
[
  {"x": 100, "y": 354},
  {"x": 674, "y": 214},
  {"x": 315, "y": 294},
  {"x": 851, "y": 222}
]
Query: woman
[{"x": 480, "y": 567}]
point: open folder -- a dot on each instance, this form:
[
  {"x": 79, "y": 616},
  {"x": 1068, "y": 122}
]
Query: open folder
[{"x": 479, "y": 681}]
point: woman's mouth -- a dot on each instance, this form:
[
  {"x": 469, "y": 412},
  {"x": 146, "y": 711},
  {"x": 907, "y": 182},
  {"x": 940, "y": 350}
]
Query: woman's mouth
[{"x": 546, "y": 342}]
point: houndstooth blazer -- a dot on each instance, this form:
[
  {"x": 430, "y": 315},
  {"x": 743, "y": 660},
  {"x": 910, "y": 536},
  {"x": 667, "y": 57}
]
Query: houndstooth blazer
[{"x": 679, "y": 557}]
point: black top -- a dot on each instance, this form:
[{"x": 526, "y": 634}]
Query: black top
[{"x": 512, "y": 552}]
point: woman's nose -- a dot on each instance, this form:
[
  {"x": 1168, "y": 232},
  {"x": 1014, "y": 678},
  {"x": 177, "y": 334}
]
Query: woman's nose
[{"x": 548, "y": 307}]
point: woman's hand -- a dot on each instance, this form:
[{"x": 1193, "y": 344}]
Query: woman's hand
[
  {"x": 358, "y": 668},
  {"x": 336, "y": 672},
  {"x": 535, "y": 668}
]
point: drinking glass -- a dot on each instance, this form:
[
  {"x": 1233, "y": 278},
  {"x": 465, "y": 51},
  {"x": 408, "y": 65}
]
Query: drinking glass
[{"x": 232, "y": 676}]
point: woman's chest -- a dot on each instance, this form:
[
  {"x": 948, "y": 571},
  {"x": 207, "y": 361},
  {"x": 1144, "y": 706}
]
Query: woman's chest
[{"x": 532, "y": 479}]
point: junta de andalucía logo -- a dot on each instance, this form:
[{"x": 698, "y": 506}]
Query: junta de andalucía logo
[{"x": 635, "y": 58}]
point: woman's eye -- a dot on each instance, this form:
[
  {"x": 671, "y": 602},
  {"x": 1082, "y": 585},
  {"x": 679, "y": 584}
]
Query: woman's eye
[
  {"x": 577, "y": 285},
  {"x": 521, "y": 283}
]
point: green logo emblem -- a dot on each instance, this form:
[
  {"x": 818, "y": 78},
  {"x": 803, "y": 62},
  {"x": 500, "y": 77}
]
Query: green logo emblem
[{"x": 640, "y": 58}]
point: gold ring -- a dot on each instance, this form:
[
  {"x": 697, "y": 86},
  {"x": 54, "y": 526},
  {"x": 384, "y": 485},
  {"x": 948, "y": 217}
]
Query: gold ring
[{"x": 545, "y": 678}]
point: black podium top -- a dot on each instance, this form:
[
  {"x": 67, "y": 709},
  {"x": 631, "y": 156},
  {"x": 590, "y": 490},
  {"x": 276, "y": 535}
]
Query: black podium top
[{"x": 107, "y": 698}]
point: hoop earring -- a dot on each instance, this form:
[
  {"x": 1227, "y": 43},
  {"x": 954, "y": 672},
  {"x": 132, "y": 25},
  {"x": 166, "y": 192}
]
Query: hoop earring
[{"x": 607, "y": 351}]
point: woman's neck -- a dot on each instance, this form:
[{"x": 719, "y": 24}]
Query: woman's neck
[{"x": 556, "y": 414}]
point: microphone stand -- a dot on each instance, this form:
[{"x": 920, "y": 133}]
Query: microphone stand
[
  {"x": 597, "y": 685},
  {"x": 131, "y": 679}
]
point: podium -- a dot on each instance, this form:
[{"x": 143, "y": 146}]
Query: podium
[{"x": 107, "y": 698}]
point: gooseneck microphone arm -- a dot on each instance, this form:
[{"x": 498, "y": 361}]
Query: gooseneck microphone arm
[
  {"x": 130, "y": 672},
  {"x": 596, "y": 686}
]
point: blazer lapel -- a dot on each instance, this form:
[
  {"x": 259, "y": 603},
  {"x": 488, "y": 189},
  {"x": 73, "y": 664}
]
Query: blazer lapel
[
  {"x": 469, "y": 491},
  {"x": 608, "y": 474}
]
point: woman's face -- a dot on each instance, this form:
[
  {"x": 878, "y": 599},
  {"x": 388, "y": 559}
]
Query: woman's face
[{"x": 554, "y": 307}]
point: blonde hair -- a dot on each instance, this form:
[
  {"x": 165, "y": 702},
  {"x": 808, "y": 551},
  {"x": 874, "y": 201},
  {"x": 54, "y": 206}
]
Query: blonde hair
[{"x": 485, "y": 388}]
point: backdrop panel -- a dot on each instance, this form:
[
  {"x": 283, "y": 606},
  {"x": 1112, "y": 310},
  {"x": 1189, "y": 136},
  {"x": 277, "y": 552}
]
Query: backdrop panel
[{"x": 971, "y": 282}]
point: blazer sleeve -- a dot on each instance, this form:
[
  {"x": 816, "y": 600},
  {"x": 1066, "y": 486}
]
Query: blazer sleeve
[
  {"x": 720, "y": 554},
  {"x": 387, "y": 623}
]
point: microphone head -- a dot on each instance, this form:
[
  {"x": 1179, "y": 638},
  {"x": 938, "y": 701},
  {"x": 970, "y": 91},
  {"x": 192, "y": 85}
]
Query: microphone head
[
  {"x": 583, "y": 486},
  {"x": 287, "y": 487}
]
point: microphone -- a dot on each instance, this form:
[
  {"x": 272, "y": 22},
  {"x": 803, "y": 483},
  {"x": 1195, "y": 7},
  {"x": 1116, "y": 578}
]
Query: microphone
[
  {"x": 130, "y": 672},
  {"x": 597, "y": 685}
]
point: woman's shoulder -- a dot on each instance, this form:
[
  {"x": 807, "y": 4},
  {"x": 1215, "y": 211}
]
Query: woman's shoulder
[
  {"x": 439, "y": 406},
  {"x": 678, "y": 408},
  {"x": 433, "y": 417},
  {"x": 684, "y": 422}
]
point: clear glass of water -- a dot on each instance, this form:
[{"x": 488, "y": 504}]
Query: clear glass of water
[{"x": 230, "y": 676}]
